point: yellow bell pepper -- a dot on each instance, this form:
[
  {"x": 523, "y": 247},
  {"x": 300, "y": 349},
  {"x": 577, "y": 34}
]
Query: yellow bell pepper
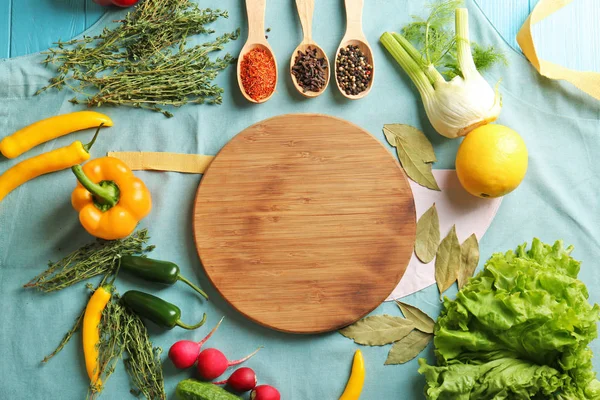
[
  {"x": 55, "y": 160},
  {"x": 357, "y": 378},
  {"x": 50, "y": 128},
  {"x": 110, "y": 199},
  {"x": 91, "y": 332}
]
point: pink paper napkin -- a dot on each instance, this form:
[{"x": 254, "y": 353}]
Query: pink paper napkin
[{"x": 455, "y": 206}]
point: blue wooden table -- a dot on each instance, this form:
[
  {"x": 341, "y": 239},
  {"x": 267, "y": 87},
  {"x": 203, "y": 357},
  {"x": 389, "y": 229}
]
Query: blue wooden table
[
  {"x": 544, "y": 206},
  {"x": 571, "y": 37}
]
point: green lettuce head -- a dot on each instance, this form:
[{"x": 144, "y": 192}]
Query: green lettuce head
[{"x": 519, "y": 330}]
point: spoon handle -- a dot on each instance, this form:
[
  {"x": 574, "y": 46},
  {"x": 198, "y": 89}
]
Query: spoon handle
[
  {"x": 256, "y": 20},
  {"x": 354, "y": 10},
  {"x": 305, "y": 12}
]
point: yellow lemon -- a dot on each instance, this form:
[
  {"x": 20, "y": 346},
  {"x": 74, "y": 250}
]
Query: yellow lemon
[{"x": 491, "y": 161}]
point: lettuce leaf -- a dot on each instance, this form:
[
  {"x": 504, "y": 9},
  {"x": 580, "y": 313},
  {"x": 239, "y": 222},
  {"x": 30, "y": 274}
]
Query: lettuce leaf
[{"x": 519, "y": 330}]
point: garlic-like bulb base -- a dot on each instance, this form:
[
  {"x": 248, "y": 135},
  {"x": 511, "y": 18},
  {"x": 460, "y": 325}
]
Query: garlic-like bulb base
[{"x": 457, "y": 107}]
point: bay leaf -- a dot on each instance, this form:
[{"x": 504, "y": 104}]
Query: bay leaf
[
  {"x": 413, "y": 137},
  {"x": 389, "y": 136},
  {"x": 469, "y": 258},
  {"x": 422, "y": 321},
  {"x": 415, "y": 153},
  {"x": 378, "y": 330},
  {"x": 408, "y": 348},
  {"x": 418, "y": 171},
  {"x": 447, "y": 261},
  {"x": 428, "y": 235}
]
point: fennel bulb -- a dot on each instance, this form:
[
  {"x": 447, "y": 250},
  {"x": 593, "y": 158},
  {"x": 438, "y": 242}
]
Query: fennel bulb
[{"x": 453, "y": 107}]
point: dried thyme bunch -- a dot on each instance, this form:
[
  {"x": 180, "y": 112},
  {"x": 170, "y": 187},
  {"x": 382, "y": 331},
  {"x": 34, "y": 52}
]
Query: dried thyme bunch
[
  {"x": 97, "y": 258},
  {"x": 123, "y": 335},
  {"x": 143, "y": 361},
  {"x": 144, "y": 62},
  {"x": 113, "y": 327}
]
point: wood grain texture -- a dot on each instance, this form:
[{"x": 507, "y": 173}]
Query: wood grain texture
[
  {"x": 508, "y": 16},
  {"x": 52, "y": 19},
  {"x": 26, "y": 10},
  {"x": 304, "y": 223},
  {"x": 572, "y": 37},
  {"x": 5, "y": 28}
]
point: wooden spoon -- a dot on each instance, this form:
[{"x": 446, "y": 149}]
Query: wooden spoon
[
  {"x": 305, "y": 12},
  {"x": 256, "y": 39},
  {"x": 355, "y": 36}
]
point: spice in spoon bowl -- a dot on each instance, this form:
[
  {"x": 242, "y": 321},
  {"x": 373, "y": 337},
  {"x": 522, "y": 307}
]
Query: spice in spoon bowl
[
  {"x": 353, "y": 70},
  {"x": 310, "y": 70},
  {"x": 258, "y": 73}
]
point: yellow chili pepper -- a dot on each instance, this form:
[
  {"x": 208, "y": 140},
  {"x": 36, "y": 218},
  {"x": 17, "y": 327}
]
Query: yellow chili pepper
[
  {"x": 110, "y": 199},
  {"x": 50, "y": 128},
  {"x": 357, "y": 378},
  {"x": 91, "y": 332},
  {"x": 55, "y": 160}
]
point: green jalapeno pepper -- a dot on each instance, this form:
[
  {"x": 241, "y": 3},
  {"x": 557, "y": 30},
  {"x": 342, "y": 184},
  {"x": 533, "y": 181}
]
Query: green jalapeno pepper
[
  {"x": 156, "y": 271},
  {"x": 157, "y": 310}
]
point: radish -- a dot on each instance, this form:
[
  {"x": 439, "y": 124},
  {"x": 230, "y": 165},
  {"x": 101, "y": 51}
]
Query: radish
[
  {"x": 184, "y": 353},
  {"x": 265, "y": 392},
  {"x": 242, "y": 380},
  {"x": 212, "y": 363}
]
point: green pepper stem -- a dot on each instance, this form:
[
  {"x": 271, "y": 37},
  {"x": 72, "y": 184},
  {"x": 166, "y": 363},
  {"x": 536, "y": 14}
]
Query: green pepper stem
[
  {"x": 191, "y": 327},
  {"x": 196, "y": 288},
  {"x": 88, "y": 146},
  {"x": 106, "y": 193}
]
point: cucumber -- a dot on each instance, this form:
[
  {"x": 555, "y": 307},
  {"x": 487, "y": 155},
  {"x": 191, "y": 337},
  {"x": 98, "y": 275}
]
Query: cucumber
[{"x": 191, "y": 389}]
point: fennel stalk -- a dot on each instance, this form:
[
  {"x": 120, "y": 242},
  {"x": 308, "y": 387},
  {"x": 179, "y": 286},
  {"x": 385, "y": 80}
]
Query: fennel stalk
[{"x": 453, "y": 107}]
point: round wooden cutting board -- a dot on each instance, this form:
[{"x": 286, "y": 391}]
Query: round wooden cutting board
[{"x": 304, "y": 223}]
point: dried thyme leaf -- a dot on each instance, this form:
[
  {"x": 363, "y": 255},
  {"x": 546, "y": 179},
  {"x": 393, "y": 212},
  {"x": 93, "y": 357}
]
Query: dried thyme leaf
[
  {"x": 97, "y": 258},
  {"x": 143, "y": 360},
  {"x": 113, "y": 328},
  {"x": 469, "y": 253},
  {"x": 378, "y": 330},
  {"x": 67, "y": 336},
  {"x": 422, "y": 321},
  {"x": 408, "y": 348},
  {"x": 447, "y": 261},
  {"x": 143, "y": 62},
  {"x": 428, "y": 235}
]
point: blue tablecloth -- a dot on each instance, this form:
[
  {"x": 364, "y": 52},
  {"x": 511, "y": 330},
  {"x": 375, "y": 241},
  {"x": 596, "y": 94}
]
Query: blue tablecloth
[{"x": 558, "y": 200}]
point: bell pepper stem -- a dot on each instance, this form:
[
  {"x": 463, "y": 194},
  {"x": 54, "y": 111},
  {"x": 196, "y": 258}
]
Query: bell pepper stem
[
  {"x": 191, "y": 327},
  {"x": 106, "y": 193},
  {"x": 88, "y": 146},
  {"x": 196, "y": 288}
]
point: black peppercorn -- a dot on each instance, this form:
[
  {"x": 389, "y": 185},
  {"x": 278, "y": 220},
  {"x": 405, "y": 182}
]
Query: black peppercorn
[{"x": 353, "y": 70}]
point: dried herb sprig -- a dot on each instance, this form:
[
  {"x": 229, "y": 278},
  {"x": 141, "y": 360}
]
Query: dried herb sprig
[
  {"x": 143, "y": 360},
  {"x": 97, "y": 258},
  {"x": 76, "y": 325},
  {"x": 67, "y": 337},
  {"x": 114, "y": 326},
  {"x": 143, "y": 62}
]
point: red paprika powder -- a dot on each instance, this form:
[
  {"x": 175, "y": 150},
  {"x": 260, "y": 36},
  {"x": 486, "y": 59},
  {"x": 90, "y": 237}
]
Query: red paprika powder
[{"x": 258, "y": 74}]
